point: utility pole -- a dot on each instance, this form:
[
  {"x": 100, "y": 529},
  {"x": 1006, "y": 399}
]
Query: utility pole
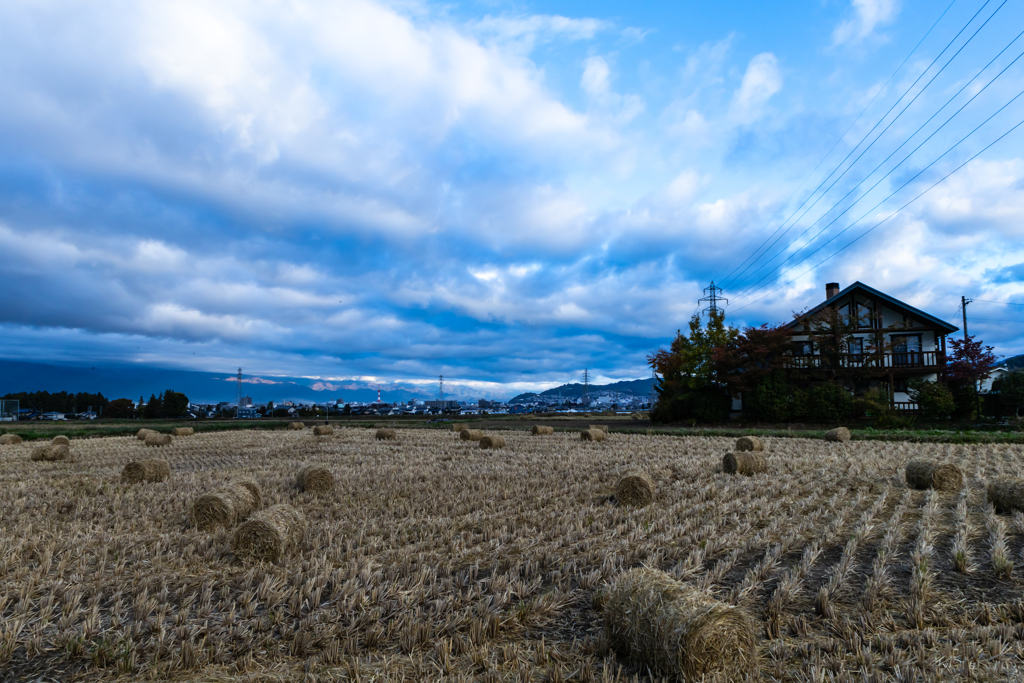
[
  {"x": 977, "y": 383},
  {"x": 586, "y": 387},
  {"x": 650, "y": 398},
  {"x": 963, "y": 305}
]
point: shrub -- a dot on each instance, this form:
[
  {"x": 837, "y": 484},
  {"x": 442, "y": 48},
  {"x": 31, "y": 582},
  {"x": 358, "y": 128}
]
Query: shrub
[
  {"x": 934, "y": 400},
  {"x": 1010, "y": 388},
  {"x": 965, "y": 399},
  {"x": 771, "y": 400},
  {"x": 829, "y": 402},
  {"x": 711, "y": 404}
]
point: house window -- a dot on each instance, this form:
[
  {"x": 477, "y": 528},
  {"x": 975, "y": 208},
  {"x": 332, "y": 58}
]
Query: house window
[
  {"x": 803, "y": 348},
  {"x": 865, "y": 315},
  {"x": 857, "y": 346},
  {"x": 899, "y": 385},
  {"x": 906, "y": 349}
]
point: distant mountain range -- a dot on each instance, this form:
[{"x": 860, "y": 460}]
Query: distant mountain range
[
  {"x": 635, "y": 387},
  {"x": 132, "y": 381},
  {"x": 1013, "y": 363}
]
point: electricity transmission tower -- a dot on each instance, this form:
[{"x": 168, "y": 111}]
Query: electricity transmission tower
[
  {"x": 440, "y": 388},
  {"x": 238, "y": 390},
  {"x": 712, "y": 295},
  {"x": 586, "y": 386}
]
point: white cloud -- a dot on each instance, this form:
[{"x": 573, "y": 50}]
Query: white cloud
[
  {"x": 529, "y": 30},
  {"x": 595, "y": 76},
  {"x": 595, "y": 82},
  {"x": 868, "y": 15},
  {"x": 761, "y": 80}
]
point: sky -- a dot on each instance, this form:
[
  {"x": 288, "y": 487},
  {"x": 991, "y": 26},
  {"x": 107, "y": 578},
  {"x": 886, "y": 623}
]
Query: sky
[{"x": 502, "y": 193}]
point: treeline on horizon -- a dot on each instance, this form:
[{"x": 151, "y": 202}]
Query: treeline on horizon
[
  {"x": 59, "y": 402},
  {"x": 168, "y": 403}
]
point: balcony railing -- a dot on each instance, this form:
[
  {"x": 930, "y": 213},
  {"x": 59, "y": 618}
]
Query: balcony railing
[{"x": 900, "y": 359}]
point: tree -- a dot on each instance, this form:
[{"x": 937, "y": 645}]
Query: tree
[
  {"x": 1011, "y": 391},
  {"x": 753, "y": 364},
  {"x": 935, "y": 400},
  {"x": 173, "y": 404},
  {"x": 690, "y": 386},
  {"x": 153, "y": 408},
  {"x": 121, "y": 408},
  {"x": 752, "y": 356},
  {"x": 970, "y": 362}
]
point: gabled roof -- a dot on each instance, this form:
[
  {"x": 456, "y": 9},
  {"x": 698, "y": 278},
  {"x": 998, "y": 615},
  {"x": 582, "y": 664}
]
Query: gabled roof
[{"x": 893, "y": 302}]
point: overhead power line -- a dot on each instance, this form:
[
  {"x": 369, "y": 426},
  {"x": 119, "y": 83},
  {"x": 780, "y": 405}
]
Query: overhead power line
[
  {"x": 892, "y": 170},
  {"x": 897, "y": 165},
  {"x": 1004, "y": 303},
  {"x": 915, "y": 176},
  {"x": 894, "y": 213},
  {"x": 832, "y": 148},
  {"x": 729, "y": 278},
  {"x": 998, "y": 320}
]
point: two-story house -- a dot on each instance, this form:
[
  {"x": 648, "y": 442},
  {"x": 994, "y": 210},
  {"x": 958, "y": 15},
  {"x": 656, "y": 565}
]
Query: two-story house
[{"x": 907, "y": 343}]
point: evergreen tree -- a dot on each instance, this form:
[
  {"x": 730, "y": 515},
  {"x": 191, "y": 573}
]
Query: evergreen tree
[
  {"x": 173, "y": 404},
  {"x": 690, "y": 385},
  {"x": 153, "y": 407}
]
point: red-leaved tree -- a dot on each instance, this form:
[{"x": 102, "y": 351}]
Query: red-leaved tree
[
  {"x": 970, "y": 361},
  {"x": 745, "y": 361}
]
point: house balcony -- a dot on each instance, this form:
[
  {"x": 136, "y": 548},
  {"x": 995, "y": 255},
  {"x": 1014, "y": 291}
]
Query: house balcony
[{"x": 901, "y": 360}]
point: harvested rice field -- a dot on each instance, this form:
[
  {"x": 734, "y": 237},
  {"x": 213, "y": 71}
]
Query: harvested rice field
[{"x": 431, "y": 558}]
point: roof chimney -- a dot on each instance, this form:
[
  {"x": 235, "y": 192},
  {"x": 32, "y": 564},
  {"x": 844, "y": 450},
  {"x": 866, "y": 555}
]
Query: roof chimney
[{"x": 831, "y": 289}]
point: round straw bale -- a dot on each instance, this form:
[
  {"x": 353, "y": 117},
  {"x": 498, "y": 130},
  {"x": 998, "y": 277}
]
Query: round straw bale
[
  {"x": 296, "y": 425},
  {"x": 150, "y": 469},
  {"x": 9, "y": 439},
  {"x": 60, "y": 440},
  {"x": 315, "y": 479},
  {"x": 678, "y": 631},
  {"x": 143, "y": 433},
  {"x": 840, "y": 434},
  {"x": 51, "y": 452},
  {"x": 492, "y": 441},
  {"x": 749, "y": 443},
  {"x": 603, "y": 428},
  {"x": 471, "y": 434},
  {"x": 926, "y": 474},
  {"x": 269, "y": 533},
  {"x": 457, "y": 427},
  {"x": 1006, "y": 494},
  {"x": 323, "y": 430},
  {"x": 592, "y": 435},
  {"x": 225, "y": 507},
  {"x": 541, "y": 430},
  {"x": 156, "y": 439},
  {"x": 635, "y": 488},
  {"x": 744, "y": 462},
  {"x": 386, "y": 434},
  {"x": 183, "y": 431},
  {"x": 254, "y": 490}
]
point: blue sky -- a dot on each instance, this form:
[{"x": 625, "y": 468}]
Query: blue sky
[{"x": 502, "y": 193}]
